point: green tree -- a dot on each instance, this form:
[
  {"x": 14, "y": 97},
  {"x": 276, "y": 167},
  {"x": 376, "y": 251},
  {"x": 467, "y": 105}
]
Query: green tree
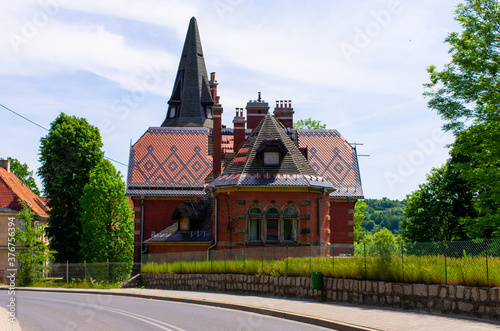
[
  {"x": 107, "y": 224},
  {"x": 478, "y": 152},
  {"x": 309, "y": 124},
  {"x": 68, "y": 153},
  {"x": 359, "y": 216},
  {"x": 22, "y": 172},
  {"x": 466, "y": 95},
  {"x": 440, "y": 208},
  {"x": 32, "y": 252},
  {"x": 468, "y": 87}
]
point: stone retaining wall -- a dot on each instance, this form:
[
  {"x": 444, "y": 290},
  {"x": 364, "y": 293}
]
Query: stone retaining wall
[{"x": 462, "y": 300}]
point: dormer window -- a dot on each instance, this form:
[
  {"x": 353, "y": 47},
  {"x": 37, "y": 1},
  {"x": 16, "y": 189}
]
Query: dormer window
[
  {"x": 272, "y": 158},
  {"x": 172, "y": 112},
  {"x": 184, "y": 224},
  {"x": 271, "y": 152}
]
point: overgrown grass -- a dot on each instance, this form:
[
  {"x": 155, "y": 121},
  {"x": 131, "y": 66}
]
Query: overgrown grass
[
  {"x": 75, "y": 283},
  {"x": 413, "y": 269}
]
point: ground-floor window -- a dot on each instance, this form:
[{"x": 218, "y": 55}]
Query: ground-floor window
[
  {"x": 255, "y": 224},
  {"x": 273, "y": 225}
]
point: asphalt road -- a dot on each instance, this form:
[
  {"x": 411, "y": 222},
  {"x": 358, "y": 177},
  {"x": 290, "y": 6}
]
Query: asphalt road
[{"x": 71, "y": 312}]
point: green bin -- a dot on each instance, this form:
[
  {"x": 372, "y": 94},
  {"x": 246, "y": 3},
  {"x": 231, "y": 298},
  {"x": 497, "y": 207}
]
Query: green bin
[{"x": 317, "y": 280}]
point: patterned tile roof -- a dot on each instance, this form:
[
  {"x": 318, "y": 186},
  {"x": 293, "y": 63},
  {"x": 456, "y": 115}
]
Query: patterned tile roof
[
  {"x": 171, "y": 159},
  {"x": 248, "y": 169},
  {"x": 334, "y": 159},
  {"x": 12, "y": 189}
]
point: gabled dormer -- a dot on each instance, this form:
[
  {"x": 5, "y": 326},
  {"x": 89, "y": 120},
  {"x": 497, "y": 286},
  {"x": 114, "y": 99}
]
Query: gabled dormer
[
  {"x": 271, "y": 152},
  {"x": 269, "y": 157}
]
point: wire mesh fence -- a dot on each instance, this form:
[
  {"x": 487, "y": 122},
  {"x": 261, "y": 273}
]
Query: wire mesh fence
[
  {"x": 473, "y": 262},
  {"x": 110, "y": 272}
]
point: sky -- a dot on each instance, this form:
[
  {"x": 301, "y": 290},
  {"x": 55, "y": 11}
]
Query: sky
[{"x": 357, "y": 66}]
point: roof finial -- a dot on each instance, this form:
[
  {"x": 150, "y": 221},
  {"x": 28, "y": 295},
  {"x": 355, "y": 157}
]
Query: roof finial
[{"x": 259, "y": 99}]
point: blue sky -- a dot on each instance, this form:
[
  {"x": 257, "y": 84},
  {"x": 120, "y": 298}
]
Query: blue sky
[{"x": 357, "y": 66}]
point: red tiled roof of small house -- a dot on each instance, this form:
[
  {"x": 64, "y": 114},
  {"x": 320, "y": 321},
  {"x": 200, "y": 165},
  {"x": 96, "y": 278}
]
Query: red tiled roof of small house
[{"x": 12, "y": 190}]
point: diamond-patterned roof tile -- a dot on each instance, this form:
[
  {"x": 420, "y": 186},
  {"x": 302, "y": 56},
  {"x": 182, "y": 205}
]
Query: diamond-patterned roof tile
[{"x": 169, "y": 158}]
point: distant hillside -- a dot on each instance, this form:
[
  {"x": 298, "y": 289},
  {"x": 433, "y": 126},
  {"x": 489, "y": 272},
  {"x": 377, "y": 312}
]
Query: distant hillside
[{"x": 383, "y": 213}]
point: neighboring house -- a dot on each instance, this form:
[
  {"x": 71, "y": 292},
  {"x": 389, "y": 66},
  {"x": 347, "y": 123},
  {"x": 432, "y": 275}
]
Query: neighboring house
[
  {"x": 11, "y": 191},
  {"x": 197, "y": 185}
]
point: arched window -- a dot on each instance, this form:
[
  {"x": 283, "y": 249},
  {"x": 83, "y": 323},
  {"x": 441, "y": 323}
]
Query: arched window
[
  {"x": 272, "y": 224},
  {"x": 289, "y": 224},
  {"x": 255, "y": 224}
]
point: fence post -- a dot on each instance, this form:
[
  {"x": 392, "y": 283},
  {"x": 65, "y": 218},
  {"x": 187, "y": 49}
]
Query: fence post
[
  {"x": 67, "y": 271},
  {"x": 107, "y": 270},
  {"x": 487, "y": 270},
  {"x": 262, "y": 259},
  {"x": 85, "y": 266},
  {"x": 333, "y": 260},
  {"x": 403, "y": 261},
  {"x": 286, "y": 259},
  {"x": 364, "y": 252},
  {"x": 310, "y": 260},
  {"x": 445, "y": 264}
]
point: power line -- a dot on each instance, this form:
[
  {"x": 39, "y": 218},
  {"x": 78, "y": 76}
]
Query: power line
[
  {"x": 44, "y": 128},
  {"x": 27, "y": 119}
]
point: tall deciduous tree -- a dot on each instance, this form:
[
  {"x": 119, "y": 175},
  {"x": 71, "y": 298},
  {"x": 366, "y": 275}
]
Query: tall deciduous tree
[
  {"x": 107, "y": 224},
  {"x": 22, "y": 172},
  {"x": 309, "y": 124},
  {"x": 478, "y": 152},
  {"x": 68, "y": 153},
  {"x": 440, "y": 209},
  {"x": 468, "y": 88}
]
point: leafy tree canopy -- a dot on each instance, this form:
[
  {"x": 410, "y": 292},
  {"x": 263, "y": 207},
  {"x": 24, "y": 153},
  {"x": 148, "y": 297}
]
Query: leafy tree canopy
[
  {"x": 383, "y": 213},
  {"x": 68, "y": 153},
  {"x": 22, "y": 172},
  {"x": 107, "y": 224},
  {"x": 309, "y": 124},
  {"x": 440, "y": 208},
  {"x": 477, "y": 151},
  {"x": 359, "y": 216},
  {"x": 468, "y": 87}
]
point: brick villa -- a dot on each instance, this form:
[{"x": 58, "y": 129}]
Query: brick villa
[{"x": 198, "y": 186}]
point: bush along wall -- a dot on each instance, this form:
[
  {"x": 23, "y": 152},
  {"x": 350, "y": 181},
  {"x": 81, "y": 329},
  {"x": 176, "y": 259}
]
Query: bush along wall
[{"x": 448, "y": 299}]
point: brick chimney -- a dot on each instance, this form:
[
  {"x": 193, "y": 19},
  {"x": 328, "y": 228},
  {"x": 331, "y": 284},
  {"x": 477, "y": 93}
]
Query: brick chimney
[
  {"x": 256, "y": 111},
  {"x": 213, "y": 86},
  {"x": 5, "y": 164},
  {"x": 284, "y": 112},
  {"x": 239, "y": 122},
  {"x": 217, "y": 137}
]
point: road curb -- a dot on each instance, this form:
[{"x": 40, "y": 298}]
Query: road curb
[{"x": 341, "y": 326}]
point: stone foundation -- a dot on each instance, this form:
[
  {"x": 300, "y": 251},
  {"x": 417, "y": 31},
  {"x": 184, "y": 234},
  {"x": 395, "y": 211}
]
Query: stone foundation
[{"x": 448, "y": 299}]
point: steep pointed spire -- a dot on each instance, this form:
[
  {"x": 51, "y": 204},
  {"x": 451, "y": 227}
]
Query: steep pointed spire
[{"x": 191, "y": 101}]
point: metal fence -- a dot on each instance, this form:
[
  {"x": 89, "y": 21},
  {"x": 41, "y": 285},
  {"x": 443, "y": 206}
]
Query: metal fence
[
  {"x": 110, "y": 272},
  {"x": 474, "y": 262}
]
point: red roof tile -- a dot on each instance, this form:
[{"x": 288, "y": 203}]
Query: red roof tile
[
  {"x": 334, "y": 159},
  {"x": 12, "y": 190},
  {"x": 170, "y": 158}
]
